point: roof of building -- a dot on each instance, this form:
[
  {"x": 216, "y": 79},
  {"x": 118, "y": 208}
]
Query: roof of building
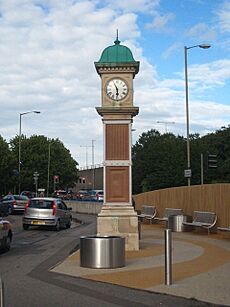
[{"x": 116, "y": 53}]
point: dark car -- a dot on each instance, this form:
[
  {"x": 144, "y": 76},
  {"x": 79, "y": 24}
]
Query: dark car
[
  {"x": 3, "y": 209},
  {"x": 83, "y": 195},
  {"x": 15, "y": 203},
  {"x": 29, "y": 194},
  {"x": 6, "y": 235},
  {"x": 60, "y": 194}
]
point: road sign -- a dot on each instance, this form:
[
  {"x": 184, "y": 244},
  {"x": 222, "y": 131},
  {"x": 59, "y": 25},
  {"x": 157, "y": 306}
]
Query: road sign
[
  {"x": 36, "y": 175},
  {"x": 187, "y": 173},
  {"x": 212, "y": 161}
]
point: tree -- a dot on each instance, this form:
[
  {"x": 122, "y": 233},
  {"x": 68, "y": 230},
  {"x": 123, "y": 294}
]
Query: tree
[
  {"x": 35, "y": 156},
  {"x": 159, "y": 160},
  {"x": 8, "y": 173}
]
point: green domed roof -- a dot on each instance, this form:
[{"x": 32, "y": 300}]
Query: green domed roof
[{"x": 116, "y": 54}]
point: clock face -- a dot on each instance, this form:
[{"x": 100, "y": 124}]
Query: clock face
[{"x": 116, "y": 89}]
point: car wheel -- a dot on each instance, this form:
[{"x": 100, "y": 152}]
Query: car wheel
[
  {"x": 57, "y": 226},
  {"x": 25, "y": 226},
  {"x": 6, "y": 243},
  {"x": 68, "y": 225},
  {"x": 10, "y": 211}
]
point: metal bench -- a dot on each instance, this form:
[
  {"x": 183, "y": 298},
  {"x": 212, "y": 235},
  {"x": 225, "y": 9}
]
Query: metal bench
[
  {"x": 224, "y": 228},
  {"x": 202, "y": 219},
  {"x": 147, "y": 213},
  {"x": 168, "y": 212}
]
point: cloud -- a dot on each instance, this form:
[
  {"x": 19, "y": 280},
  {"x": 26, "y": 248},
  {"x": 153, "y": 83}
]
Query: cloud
[
  {"x": 210, "y": 75},
  {"x": 224, "y": 17},
  {"x": 133, "y": 5},
  {"x": 172, "y": 49},
  {"x": 47, "y": 64},
  {"x": 202, "y": 32},
  {"x": 160, "y": 22}
]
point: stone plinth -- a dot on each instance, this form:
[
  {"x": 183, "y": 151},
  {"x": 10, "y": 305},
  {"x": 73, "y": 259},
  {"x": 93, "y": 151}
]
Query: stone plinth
[{"x": 119, "y": 220}]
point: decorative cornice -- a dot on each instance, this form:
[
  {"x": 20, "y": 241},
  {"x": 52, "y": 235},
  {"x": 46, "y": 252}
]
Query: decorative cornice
[
  {"x": 132, "y": 67},
  {"x": 117, "y": 110}
]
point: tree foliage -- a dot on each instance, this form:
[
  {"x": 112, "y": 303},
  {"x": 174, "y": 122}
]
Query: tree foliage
[
  {"x": 35, "y": 158},
  {"x": 159, "y": 160},
  {"x": 7, "y": 167}
]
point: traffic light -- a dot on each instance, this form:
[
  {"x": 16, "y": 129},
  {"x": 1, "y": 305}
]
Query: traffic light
[
  {"x": 212, "y": 161},
  {"x": 56, "y": 179}
]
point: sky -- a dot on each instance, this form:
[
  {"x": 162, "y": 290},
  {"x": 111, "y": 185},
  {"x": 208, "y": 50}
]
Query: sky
[{"x": 47, "y": 54}]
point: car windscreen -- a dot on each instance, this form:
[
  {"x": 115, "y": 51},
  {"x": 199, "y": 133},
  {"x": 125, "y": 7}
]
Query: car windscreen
[
  {"x": 41, "y": 204},
  {"x": 8, "y": 197},
  {"x": 19, "y": 197}
]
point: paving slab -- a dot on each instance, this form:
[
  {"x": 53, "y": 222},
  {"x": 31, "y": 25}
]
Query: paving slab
[{"x": 201, "y": 266}]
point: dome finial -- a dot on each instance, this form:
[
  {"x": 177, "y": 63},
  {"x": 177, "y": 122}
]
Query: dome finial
[{"x": 117, "y": 42}]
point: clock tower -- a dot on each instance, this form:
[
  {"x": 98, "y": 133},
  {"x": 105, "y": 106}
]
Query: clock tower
[{"x": 117, "y": 69}]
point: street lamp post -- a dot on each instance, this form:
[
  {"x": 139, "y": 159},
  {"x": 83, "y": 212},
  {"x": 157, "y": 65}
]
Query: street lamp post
[
  {"x": 166, "y": 124},
  {"x": 86, "y": 153},
  {"x": 203, "y": 46},
  {"x": 48, "y": 170},
  {"x": 93, "y": 166},
  {"x": 19, "y": 146}
]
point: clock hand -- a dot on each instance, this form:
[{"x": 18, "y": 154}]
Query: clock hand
[
  {"x": 117, "y": 93},
  {"x": 115, "y": 86}
]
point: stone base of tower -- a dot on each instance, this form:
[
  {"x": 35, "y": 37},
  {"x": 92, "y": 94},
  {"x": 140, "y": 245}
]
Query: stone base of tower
[{"x": 119, "y": 220}]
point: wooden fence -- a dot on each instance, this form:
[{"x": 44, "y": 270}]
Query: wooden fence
[{"x": 207, "y": 197}]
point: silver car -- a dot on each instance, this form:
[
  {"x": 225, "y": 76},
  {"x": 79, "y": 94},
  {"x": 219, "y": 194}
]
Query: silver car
[
  {"x": 97, "y": 195},
  {"x": 14, "y": 203},
  {"x": 46, "y": 211}
]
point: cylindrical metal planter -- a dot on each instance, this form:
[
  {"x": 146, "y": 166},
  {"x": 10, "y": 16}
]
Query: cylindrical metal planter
[{"x": 99, "y": 252}]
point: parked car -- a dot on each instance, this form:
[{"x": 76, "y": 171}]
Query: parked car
[
  {"x": 15, "y": 203},
  {"x": 29, "y": 194},
  {"x": 97, "y": 195},
  {"x": 47, "y": 211},
  {"x": 6, "y": 235},
  {"x": 60, "y": 194},
  {"x": 83, "y": 195}
]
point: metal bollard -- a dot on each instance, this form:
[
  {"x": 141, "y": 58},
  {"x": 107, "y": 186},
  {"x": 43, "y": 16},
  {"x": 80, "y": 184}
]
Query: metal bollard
[
  {"x": 1, "y": 293},
  {"x": 168, "y": 257}
]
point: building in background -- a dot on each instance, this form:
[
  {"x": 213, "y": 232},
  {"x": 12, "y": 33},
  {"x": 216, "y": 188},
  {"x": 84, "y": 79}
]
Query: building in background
[{"x": 90, "y": 178}]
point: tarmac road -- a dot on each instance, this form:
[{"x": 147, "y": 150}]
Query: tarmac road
[{"x": 28, "y": 281}]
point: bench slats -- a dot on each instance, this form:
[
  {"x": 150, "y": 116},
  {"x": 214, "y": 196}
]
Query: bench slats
[
  {"x": 203, "y": 219},
  {"x": 147, "y": 212},
  {"x": 168, "y": 212},
  {"x": 224, "y": 228}
]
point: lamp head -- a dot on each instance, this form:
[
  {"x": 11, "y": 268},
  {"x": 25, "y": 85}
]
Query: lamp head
[
  {"x": 205, "y": 46},
  {"x": 37, "y": 112}
]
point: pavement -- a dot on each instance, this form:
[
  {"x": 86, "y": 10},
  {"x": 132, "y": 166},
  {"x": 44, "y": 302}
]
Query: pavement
[{"x": 200, "y": 269}]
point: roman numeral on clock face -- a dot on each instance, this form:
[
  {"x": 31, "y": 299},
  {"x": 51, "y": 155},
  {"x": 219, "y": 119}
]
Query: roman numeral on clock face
[{"x": 116, "y": 89}]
